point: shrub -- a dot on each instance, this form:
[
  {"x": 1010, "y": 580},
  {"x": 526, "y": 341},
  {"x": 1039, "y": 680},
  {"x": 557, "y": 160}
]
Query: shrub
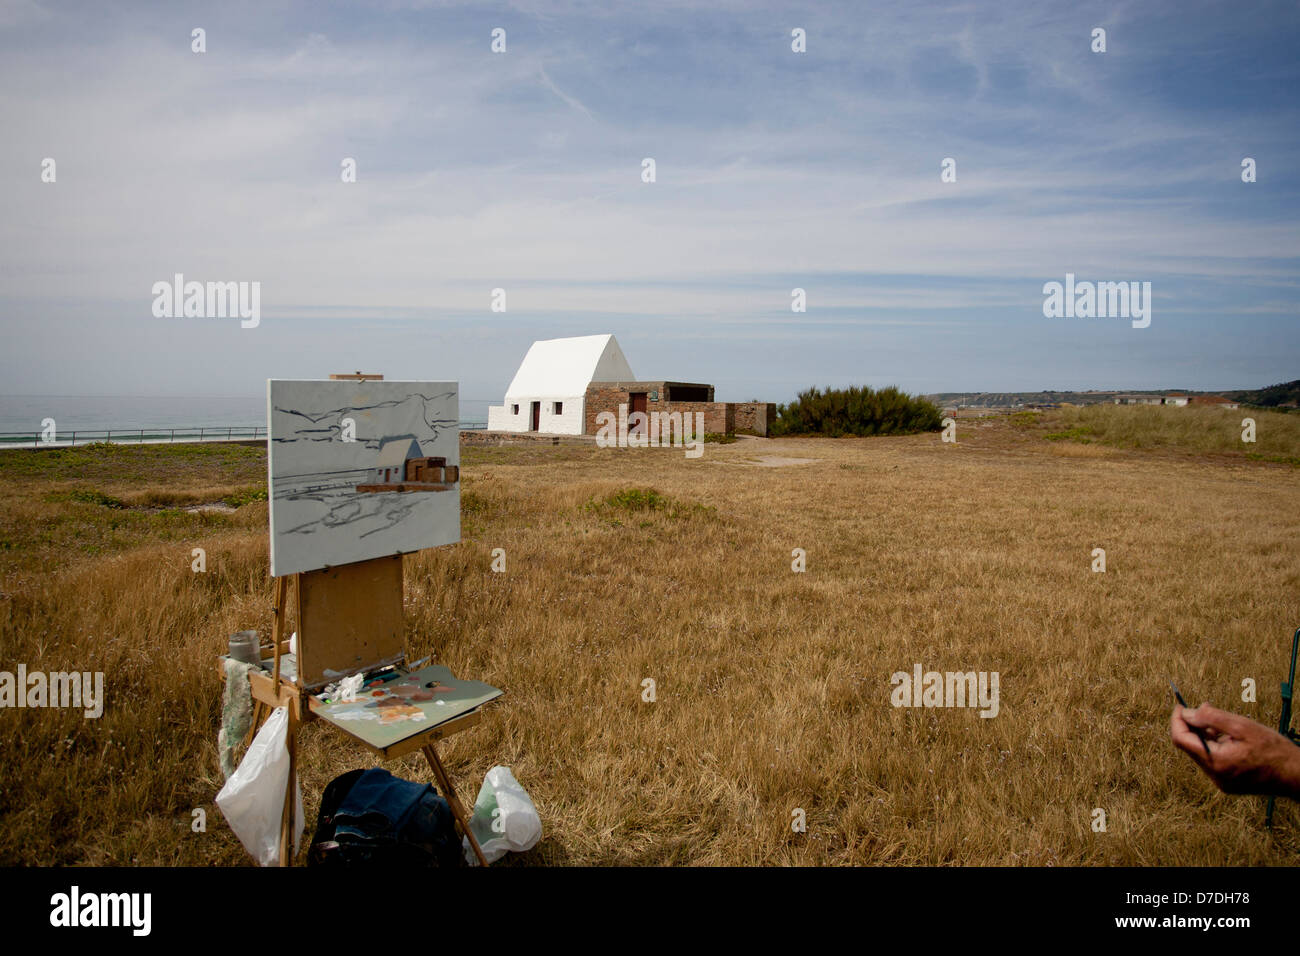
[{"x": 856, "y": 411}]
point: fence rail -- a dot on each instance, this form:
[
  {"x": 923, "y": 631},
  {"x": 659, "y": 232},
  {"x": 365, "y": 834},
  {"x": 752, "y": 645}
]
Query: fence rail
[
  {"x": 117, "y": 436},
  {"x": 139, "y": 436}
]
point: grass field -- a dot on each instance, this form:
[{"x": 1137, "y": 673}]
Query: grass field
[{"x": 772, "y": 687}]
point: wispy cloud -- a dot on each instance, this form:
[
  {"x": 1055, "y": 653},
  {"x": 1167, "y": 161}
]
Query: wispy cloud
[{"x": 571, "y": 101}]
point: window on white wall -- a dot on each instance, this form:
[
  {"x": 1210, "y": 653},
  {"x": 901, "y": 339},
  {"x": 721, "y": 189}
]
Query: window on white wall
[
  {"x": 514, "y": 409},
  {"x": 559, "y": 408}
]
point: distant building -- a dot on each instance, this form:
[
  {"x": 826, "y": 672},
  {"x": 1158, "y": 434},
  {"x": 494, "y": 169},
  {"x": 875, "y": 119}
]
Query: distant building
[
  {"x": 1138, "y": 399},
  {"x": 1176, "y": 398},
  {"x": 562, "y": 385},
  {"x": 548, "y": 392},
  {"x": 1218, "y": 401}
]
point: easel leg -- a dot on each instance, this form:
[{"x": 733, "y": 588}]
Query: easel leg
[
  {"x": 277, "y": 626},
  {"x": 286, "y": 819},
  {"x": 453, "y": 801},
  {"x": 257, "y": 722}
]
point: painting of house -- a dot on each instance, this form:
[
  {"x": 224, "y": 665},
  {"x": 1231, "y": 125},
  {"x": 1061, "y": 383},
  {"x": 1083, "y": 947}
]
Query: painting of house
[
  {"x": 393, "y": 456},
  {"x": 341, "y": 455},
  {"x": 401, "y": 467},
  {"x": 429, "y": 471}
]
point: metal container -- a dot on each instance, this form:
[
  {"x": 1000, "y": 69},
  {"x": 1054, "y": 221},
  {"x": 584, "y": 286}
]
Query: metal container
[{"x": 244, "y": 647}]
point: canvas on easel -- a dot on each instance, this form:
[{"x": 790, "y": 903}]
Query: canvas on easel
[{"x": 360, "y": 470}]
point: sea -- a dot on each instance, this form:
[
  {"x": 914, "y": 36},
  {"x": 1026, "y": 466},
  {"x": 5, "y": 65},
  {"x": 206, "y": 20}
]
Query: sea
[{"x": 25, "y": 413}]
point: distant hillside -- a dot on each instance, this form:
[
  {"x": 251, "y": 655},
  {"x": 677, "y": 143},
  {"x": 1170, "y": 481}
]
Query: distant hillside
[
  {"x": 1011, "y": 399},
  {"x": 1271, "y": 397},
  {"x": 1288, "y": 393}
]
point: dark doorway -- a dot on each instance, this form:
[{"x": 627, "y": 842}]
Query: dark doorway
[
  {"x": 690, "y": 393},
  {"x": 638, "y": 400},
  {"x": 537, "y": 415}
]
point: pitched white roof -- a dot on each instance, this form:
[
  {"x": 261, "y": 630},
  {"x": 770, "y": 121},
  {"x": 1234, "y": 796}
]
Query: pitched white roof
[
  {"x": 563, "y": 368},
  {"x": 394, "y": 453}
]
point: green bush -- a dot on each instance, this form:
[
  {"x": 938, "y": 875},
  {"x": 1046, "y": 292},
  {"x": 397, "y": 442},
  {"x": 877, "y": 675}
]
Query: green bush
[{"x": 856, "y": 411}]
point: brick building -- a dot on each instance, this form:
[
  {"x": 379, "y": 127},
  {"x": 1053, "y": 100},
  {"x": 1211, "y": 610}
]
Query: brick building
[{"x": 686, "y": 398}]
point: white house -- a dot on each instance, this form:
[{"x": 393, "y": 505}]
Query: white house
[{"x": 548, "y": 392}]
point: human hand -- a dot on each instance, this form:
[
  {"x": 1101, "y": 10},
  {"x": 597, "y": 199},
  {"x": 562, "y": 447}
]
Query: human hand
[{"x": 1244, "y": 756}]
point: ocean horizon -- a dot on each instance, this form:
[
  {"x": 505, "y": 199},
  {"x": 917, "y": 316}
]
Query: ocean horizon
[{"x": 24, "y": 413}]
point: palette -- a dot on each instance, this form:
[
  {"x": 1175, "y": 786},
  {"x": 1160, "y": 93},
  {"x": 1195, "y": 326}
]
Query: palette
[{"x": 387, "y": 712}]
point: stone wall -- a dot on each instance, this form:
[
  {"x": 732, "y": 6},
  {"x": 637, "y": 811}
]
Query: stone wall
[
  {"x": 754, "y": 417},
  {"x": 719, "y": 417},
  {"x": 722, "y": 418},
  {"x": 482, "y": 436}
]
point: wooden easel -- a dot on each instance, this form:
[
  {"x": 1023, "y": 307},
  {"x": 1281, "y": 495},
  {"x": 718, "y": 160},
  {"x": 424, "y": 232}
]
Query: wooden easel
[{"x": 349, "y": 621}]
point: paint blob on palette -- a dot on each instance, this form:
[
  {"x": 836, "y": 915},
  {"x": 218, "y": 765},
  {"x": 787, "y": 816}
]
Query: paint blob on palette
[
  {"x": 384, "y": 705},
  {"x": 359, "y": 470}
]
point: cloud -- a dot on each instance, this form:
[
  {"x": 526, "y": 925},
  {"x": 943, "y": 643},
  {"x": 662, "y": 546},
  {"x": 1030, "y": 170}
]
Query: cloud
[
  {"x": 571, "y": 101},
  {"x": 775, "y": 169}
]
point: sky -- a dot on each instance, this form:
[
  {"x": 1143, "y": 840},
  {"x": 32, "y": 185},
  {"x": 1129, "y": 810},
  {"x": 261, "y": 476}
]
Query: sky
[{"x": 774, "y": 170}]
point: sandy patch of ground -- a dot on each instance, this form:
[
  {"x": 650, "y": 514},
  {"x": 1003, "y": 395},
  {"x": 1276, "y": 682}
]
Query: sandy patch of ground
[{"x": 220, "y": 507}]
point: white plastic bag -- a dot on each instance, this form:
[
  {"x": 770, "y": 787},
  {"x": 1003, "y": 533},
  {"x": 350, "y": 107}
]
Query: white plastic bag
[
  {"x": 253, "y": 798},
  {"x": 504, "y": 818}
]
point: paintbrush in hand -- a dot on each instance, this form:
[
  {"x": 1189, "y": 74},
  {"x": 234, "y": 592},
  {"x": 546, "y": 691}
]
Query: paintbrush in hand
[{"x": 1196, "y": 730}]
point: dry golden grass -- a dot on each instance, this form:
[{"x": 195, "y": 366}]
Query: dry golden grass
[
  {"x": 772, "y": 687},
  {"x": 1189, "y": 429}
]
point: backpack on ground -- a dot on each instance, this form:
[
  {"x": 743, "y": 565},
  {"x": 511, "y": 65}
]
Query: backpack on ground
[{"x": 369, "y": 817}]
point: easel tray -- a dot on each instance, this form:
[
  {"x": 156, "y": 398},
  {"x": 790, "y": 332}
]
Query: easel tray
[{"x": 407, "y": 705}]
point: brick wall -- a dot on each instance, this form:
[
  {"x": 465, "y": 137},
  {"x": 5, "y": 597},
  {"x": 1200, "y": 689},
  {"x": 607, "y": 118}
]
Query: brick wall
[
  {"x": 607, "y": 396},
  {"x": 719, "y": 417},
  {"x": 756, "y": 417},
  {"x": 479, "y": 436}
]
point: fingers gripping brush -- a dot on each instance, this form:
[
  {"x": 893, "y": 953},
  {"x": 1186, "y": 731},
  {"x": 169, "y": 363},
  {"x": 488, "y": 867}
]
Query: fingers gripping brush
[{"x": 1196, "y": 730}]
